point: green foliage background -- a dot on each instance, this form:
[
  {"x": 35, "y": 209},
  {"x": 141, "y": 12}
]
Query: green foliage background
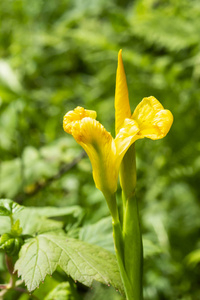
[{"x": 55, "y": 55}]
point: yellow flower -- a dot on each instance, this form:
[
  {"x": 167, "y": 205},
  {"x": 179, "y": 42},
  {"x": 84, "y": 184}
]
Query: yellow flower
[{"x": 106, "y": 153}]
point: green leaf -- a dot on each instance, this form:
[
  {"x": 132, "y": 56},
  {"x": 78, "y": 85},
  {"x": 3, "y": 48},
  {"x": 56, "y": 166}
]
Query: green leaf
[
  {"x": 4, "y": 211},
  {"x": 32, "y": 224},
  {"x": 61, "y": 292},
  {"x": 10, "y": 244},
  {"x": 50, "y": 211},
  {"x": 100, "y": 291},
  {"x": 41, "y": 255},
  {"x": 5, "y": 225},
  {"x": 99, "y": 234},
  {"x": 16, "y": 229},
  {"x": 33, "y": 219},
  {"x": 8, "y": 207}
]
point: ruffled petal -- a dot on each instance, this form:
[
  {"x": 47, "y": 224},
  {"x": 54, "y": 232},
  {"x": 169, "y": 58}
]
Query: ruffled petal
[
  {"x": 122, "y": 106},
  {"x": 76, "y": 115},
  {"x": 153, "y": 120},
  {"x": 100, "y": 147}
]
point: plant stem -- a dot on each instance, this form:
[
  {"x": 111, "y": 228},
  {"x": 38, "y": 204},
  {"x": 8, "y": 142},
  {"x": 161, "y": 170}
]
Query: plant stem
[
  {"x": 9, "y": 264},
  {"x": 112, "y": 205},
  {"x": 11, "y": 285},
  {"x": 128, "y": 175},
  {"x": 128, "y": 242},
  {"x": 118, "y": 239},
  {"x": 119, "y": 249},
  {"x": 133, "y": 249},
  {"x": 10, "y": 267}
]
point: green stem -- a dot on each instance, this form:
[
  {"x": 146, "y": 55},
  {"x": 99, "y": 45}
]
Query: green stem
[
  {"x": 118, "y": 241},
  {"x": 128, "y": 245},
  {"x": 133, "y": 249},
  {"x": 132, "y": 239},
  {"x": 112, "y": 205},
  {"x": 10, "y": 267},
  {"x": 124, "y": 207},
  {"x": 119, "y": 249},
  {"x": 128, "y": 172}
]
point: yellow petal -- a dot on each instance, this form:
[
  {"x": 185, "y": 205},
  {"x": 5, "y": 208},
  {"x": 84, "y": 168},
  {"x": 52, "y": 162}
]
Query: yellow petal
[
  {"x": 122, "y": 106},
  {"x": 153, "y": 120},
  {"x": 125, "y": 138},
  {"x": 100, "y": 147},
  {"x": 76, "y": 115}
]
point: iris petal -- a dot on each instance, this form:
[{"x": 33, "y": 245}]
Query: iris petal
[
  {"x": 153, "y": 120},
  {"x": 126, "y": 136},
  {"x": 100, "y": 147},
  {"x": 76, "y": 115}
]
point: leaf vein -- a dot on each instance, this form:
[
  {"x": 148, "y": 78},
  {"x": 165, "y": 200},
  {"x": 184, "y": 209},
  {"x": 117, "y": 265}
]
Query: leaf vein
[
  {"x": 67, "y": 253},
  {"x": 47, "y": 260}
]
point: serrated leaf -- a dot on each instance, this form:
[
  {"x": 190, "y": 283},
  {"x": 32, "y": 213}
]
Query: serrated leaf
[
  {"x": 29, "y": 219},
  {"x": 8, "y": 207},
  {"x": 34, "y": 224},
  {"x": 33, "y": 219},
  {"x": 30, "y": 223},
  {"x": 41, "y": 255}
]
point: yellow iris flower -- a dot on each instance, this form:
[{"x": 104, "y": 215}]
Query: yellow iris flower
[{"x": 149, "y": 120}]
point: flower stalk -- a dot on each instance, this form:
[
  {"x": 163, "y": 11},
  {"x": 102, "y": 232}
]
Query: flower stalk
[{"x": 132, "y": 237}]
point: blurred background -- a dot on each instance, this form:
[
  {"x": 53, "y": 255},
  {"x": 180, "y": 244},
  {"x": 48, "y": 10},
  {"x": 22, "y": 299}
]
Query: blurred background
[{"x": 55, "y": 55}]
